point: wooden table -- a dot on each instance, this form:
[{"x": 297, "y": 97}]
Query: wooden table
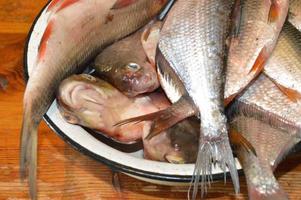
[{"x": 63, "y": 172}]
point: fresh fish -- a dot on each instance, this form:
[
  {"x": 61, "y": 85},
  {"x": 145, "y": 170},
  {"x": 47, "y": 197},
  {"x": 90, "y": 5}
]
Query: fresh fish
[
  {"x": 271, "y": 122},
  {"x": 178, "y": 144},
  {"x": 76, "y": 32},
  {"x": 190, "y": 59},
  {"x": 94, "y": 103},
  {"x": 125, "y": 65},
  {"x": 284, "y": 65},
  {"x": 294, "y": 16},
  {"x": 254, "y": 33}
]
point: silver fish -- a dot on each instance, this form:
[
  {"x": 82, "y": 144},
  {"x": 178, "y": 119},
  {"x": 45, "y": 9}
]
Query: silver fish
[
  {"x": 284, "y": 65},
  {"x": 294, "y": 16},
  {"x": 190, "y": 59},
  {"x": 271, "y": 122},
  {"x": 65, "y": 48}
]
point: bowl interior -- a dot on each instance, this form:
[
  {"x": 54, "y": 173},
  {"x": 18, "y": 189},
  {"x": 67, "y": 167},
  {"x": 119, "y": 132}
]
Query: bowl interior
[{"x": 86, "y": 142}]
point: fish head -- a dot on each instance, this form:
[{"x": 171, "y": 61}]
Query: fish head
[
  {"x": 178, "y": 144},
  {"x": 135, "y": 78},
  {"x": 160, "y": 148},
  {"x": 80, "y": 99},
  {"x": 184, "y": 139}
]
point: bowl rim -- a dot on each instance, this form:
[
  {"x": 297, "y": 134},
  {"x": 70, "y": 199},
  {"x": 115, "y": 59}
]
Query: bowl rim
[{"x": 114, "y": 166}]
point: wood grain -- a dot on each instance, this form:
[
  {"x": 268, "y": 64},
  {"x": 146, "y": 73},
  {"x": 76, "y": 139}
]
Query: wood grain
[{"x": 63, "y": 172}]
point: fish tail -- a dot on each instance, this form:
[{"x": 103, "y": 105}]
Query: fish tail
[
  {"x": 28, "y": 152},
  {"x": 164, "y": 119},
  {"x": 276, "y": 194},
  {"x": 212, "y": 152},
  {"x": 262, "y": 184}
]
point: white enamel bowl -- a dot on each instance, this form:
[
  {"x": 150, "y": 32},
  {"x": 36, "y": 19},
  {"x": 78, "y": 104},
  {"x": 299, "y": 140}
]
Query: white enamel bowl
[{"x": 132, "y": 164}]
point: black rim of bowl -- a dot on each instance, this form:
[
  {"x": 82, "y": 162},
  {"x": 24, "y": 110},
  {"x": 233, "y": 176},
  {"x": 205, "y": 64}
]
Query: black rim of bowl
[{"x": 113, "y": 165}]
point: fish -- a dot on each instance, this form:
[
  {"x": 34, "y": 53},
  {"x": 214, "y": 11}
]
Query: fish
[
  {"x": 177, "y": 145},
  {"x": 190, "y": 62},
  {"x": 94, "y": 103},
  {"x": 256, "y": 25},
  {"x": 126, "y": 66},
  {"x": 284, "y": 65},
  {"x": 294, "y": 16},
  {"x": 76, "y": 32},
  {"x": 271, "y": 122}
]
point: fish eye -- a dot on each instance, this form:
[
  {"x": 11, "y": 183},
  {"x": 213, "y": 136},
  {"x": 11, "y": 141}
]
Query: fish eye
[{"x": 133, "y": 66}]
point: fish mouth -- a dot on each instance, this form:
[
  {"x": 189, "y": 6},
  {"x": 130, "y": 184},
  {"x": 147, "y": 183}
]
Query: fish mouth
[{"x": 139, "y": 83}]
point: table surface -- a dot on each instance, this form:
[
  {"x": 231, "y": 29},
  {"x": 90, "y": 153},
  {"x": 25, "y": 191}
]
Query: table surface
[{"x": 64, "y": 173}]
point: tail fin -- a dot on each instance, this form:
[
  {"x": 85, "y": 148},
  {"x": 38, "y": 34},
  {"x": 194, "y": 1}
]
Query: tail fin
[
  {"x": 261, "y": 181},
  {"x": 164, "y": 119},
  {"x": 212, "y": 152},
  {"x": 277, "y": 194},
  {"x": 28, "y": 153}
]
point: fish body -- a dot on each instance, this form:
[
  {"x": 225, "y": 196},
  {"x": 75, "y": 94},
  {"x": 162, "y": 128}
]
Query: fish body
[
  {"x": 192, "y": 42},
  {"x": 93, "y": 103},
  {"x": 253, "y": 38},
  {"x": 125, "y": 65},
  {"x": 294, "y": 16},
  {"x": 190, "y": 64},
  {"x": 270, "y": 121},
  {"x": 76, "y": 31},
  {"x": 284, "y": 65}
]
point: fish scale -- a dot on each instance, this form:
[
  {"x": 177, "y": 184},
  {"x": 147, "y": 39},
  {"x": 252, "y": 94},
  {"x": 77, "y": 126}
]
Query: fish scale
[
  {"x": 272, "y": 102},
  {"x": 271, "y": 122},
  {"x": 258, "y": 24},
  {"x": 295, "y": 13},
  {"x": 196, "y": 31},
  {"x": 284, "y": 65}
]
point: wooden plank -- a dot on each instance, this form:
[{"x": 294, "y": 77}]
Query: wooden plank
[{"x": 63, "y": 172}]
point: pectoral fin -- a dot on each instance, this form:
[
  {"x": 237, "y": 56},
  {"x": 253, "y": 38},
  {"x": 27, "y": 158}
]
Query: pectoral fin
[
  {"x": 164, "y": 119},
  {"x": 274, "y": 11},
  {"x": 293, "y": 95},
  {"x": 260, "y": 62}
]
